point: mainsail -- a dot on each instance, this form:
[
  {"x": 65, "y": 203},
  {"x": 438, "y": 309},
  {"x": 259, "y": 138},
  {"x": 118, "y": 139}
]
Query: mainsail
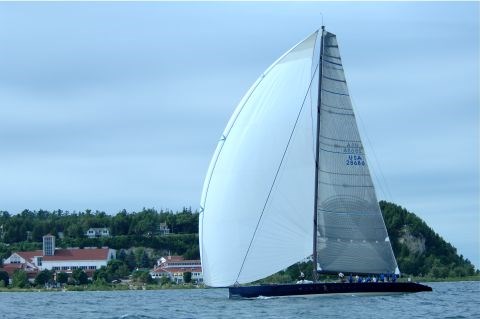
[
  {"x": 351, "y": 234},
  {"x": 258, "y": 196}
]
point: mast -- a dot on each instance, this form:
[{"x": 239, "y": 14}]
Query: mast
[{"x": 320, "y": 69}]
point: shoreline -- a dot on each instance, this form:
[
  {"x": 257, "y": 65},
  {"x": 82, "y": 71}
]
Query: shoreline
[{"x": 92, "y": 288}]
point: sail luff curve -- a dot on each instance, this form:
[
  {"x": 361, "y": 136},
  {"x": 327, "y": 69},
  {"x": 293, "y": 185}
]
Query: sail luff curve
[{"x": 241, "y": 174}]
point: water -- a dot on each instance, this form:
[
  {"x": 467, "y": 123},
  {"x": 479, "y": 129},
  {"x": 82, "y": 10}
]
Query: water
[{"x": 448, "y": 300}]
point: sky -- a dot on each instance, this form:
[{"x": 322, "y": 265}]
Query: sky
[{"x": 107, "y": 106}]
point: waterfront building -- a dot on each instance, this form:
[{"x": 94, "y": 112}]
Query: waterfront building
[
  {"x": 58, "y": 260},
  {"x": 173, "y": 267}
]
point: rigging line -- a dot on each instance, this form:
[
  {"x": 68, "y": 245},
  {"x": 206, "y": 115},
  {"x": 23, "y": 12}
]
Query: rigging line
[
  {"x": 275, "y": 177},
  {"x": 383, "y": 180},
  {"x": 373, "y": 151},
  {"x": 392, "y": 255},
  {"x": 264, "y": 74}
]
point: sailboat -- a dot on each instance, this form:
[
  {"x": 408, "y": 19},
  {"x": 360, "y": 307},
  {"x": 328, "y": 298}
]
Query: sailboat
[{"x": 289, "y": 179}]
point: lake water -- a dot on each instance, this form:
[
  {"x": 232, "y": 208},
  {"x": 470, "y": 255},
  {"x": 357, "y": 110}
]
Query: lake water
[{"x": 448, "y": 300}]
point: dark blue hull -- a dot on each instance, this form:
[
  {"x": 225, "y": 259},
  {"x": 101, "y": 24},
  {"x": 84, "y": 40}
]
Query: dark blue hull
[{"x": 325, "y": 288}]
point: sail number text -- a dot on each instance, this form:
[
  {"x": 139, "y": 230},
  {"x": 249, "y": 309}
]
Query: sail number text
[{"x": 355, "y": 160}]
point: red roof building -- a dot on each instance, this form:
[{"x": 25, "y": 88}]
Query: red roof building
[
  {"x": 173, "y": 267},
  {"x": 59, "y": 260}
]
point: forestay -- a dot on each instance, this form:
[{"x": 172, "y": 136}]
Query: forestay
[
  {"x": 351, "y": 233},
  {"x": 257, "y": 201}
]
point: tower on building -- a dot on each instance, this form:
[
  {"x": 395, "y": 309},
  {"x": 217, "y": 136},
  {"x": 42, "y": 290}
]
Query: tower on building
[{"x": 48, "y": 245}]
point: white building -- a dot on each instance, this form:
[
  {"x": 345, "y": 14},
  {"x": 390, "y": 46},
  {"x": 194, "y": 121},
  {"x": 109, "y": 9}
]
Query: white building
[
  {"x": 97, "y": 232},
  {"x": 163, "y": 229},
  {"x": 61, "y": 260},
  {"x": 173, "y": 267}
]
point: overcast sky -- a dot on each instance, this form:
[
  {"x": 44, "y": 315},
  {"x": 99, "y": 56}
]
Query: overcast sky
[{"x": 120, "y": 105}]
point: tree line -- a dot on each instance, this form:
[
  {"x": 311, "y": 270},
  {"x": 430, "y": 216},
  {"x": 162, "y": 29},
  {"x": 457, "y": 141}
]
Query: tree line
[
  {"x": 438, "y": 258},
  {"x": 32, "y": 225}
]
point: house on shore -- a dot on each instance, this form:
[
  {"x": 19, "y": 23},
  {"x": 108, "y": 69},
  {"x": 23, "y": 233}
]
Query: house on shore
[
  {"x": 58, "y": 260},
  {"x": 97, "y": 232},
  {"x": 173, "y": 267}
]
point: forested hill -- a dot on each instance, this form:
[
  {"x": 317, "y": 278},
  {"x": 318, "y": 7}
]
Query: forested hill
[{"x": 419, "y": 250}]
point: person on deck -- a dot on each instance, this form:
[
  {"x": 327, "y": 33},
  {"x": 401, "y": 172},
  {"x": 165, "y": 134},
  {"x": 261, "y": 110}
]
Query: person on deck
[
  {"x": 302, "y": 276},
  {"x": 382, "y": 278}
]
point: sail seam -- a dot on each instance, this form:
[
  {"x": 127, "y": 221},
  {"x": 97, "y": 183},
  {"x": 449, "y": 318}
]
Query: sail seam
[
  {"x": 359, "y": 153},
  {"x": 338, "y": 108},
  {"x": 276, "y": 174},
  {"x": 331, "y": 56},
  {"x": 333, "y": 63},
  {"x": 364, "y": 213},
  {"x": 346, "y": 185},
  {"x": 333, "y": 92},
  {"x": 333, "y": 145},
  {"x": 347, "y": 174},
  {"x": 337, "y": 113},
  {"x": 336, "y": 139},
  {"x": 331, "y": 67},
  {"x": 329, "y": 78}
]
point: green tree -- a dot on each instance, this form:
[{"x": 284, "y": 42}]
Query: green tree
[
  {"x": 62, "y": 278},
  {"x": 122, "y": 255},
  {"x": 117, "y": 269},
  {"x": 43, "y": 277},
  {"x": 75, "y": 231},
  {"x": 187, "y": 277},
  {"x": 165, "y": 280},
  {"x": 102, "y": 275},
  {"x": 80, "y": 277},
  {"x": 145, "y": 260},
  {"x": 131, "y": 261},
  {"x": 4, "y": 277},
  {"x": 142, "y": 276},
  {"x": 192, "y": 253},
  {"x": 20, "y": 278}
]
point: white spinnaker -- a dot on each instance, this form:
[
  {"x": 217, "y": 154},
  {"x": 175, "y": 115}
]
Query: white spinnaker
[{"x": 249, "y": 229}]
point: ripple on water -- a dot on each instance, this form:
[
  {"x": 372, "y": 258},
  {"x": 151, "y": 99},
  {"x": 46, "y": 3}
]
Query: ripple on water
[{"x": 448, "y": 301}]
